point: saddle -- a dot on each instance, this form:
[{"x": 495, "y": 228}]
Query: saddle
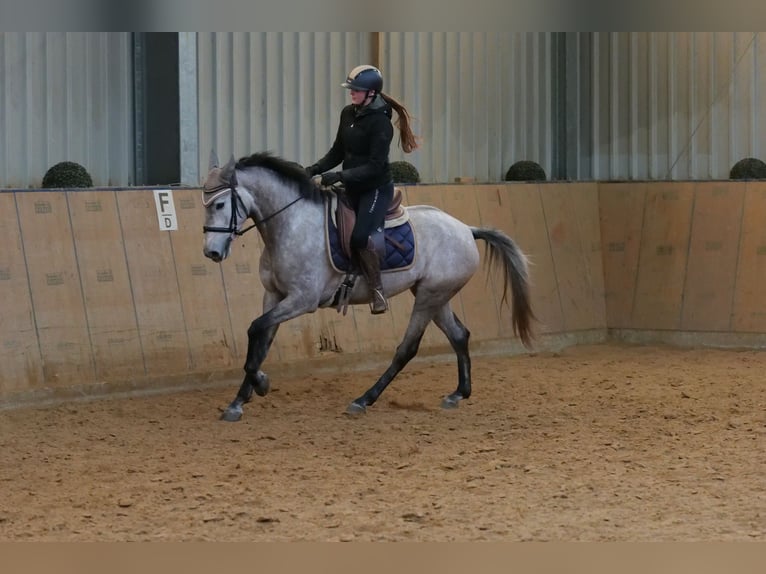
[
  {"x": 397, "y": 231},
  {"x": 344, "y": 218}
]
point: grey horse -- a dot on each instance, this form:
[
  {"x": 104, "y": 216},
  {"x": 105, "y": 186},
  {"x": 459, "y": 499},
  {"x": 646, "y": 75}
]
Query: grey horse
[{"x": 289, "y": 211}]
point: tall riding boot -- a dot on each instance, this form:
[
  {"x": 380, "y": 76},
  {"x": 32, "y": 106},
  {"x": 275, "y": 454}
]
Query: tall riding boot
[{"x": 370, "y": 266}]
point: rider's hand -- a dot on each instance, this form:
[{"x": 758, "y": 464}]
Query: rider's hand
[
  {"x": 330, "y": 178},
  {"x": 312, "y": 170}
]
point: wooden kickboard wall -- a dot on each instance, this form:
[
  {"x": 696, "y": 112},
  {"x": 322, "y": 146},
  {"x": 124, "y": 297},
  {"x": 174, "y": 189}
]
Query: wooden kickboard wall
[{"x": 95, "y": 294}]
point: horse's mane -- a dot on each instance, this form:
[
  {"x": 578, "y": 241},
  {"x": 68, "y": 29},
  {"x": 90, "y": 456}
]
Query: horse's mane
[{"x": 287, "y": 170}]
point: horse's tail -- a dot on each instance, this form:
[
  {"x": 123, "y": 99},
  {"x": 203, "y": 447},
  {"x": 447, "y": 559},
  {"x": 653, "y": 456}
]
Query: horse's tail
[{"x": 502, "y": 249}]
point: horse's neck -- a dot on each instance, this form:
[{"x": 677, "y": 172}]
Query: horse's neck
[{"x": 286, "y": 215}]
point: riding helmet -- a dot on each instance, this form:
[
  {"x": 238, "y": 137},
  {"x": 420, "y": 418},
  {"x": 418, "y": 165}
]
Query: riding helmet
[{"x": 364, "y": 78}]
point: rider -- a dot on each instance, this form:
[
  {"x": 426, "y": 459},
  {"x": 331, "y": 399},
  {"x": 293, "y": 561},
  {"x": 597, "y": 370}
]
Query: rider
[{"x": 362, "y": 143}]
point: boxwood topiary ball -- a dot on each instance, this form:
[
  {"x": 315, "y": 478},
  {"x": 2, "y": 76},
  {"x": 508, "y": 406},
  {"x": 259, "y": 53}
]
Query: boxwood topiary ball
[
  {"x": 67, "y": 174},
  {"x": 404, "y": 172},
  {"x": 748, "y": 168},
  {"x": 525, "y": 170}
]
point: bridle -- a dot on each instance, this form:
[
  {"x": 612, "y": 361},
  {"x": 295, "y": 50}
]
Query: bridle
[{"x": 210, "y": 195}]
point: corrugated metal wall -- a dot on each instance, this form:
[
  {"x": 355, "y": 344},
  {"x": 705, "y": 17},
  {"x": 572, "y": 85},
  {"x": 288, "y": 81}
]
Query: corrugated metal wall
[
  {"x": 667, "y": 105},
  {"x": 277, "y": 91},
  {"x": 635, "y": 105},
  {"x": 482, "y": 100},
  {"x": 65, "y": 96},
  {"x": 593, "y": 106}
]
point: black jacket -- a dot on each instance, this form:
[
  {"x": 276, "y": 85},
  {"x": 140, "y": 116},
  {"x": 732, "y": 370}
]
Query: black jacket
[{"x": 362, "y": 144}]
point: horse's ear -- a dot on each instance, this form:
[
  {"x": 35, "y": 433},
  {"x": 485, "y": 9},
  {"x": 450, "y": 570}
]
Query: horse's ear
[
  {"x": 227, "y": 171},
  {"x": 213, "y": 160}
]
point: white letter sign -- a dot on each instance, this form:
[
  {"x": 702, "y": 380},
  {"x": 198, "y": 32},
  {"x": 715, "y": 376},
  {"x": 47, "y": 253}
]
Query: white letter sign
[{"x": 166, "y": 210}]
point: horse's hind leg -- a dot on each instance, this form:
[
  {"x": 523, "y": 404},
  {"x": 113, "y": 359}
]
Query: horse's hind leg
[
  {"x": 458, "y": 336},
  {"x": 406, "y": 350}
]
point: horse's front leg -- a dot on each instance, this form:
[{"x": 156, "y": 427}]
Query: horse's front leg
[
  {"x": 259, "y": 382},
  {"x": 260, "y": 336}
]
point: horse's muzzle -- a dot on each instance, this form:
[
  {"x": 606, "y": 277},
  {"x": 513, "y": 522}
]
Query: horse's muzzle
[
  {"x": 219, "y": 252},
  {"x": 214, "y": 255}
]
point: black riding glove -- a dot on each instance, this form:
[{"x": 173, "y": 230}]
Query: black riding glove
[{"x": 330, "y": 178}]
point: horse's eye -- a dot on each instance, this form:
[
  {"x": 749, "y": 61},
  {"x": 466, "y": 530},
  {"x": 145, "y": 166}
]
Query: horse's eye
[{"x": 219, "y": 205}]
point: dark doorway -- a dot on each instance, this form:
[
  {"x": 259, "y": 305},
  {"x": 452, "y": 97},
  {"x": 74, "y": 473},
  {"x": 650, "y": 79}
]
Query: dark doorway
[{"x": 157, "y": 121}]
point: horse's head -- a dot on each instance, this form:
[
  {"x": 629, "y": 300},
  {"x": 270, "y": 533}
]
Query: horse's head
[{"x": 224, "y": 210}]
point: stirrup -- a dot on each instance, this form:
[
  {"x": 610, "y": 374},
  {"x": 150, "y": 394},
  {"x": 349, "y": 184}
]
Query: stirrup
[
  {"x": 343, "y": 294},
  {"x": 379, "y": 304}
]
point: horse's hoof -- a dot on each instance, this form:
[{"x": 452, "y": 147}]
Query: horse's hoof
[
  {"x": 450, "y": 402},
  {"x": 231, "y": 415},
  {"x": 261, "y": 384},
  {"x": 356, "y": 409}
]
